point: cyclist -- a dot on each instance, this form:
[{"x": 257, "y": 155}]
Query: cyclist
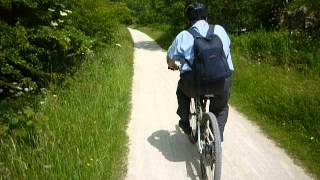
[{"x": 181, "y": 50}]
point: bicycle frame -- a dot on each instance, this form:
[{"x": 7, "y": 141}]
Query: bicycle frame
[{"x": 199, "y": 110}]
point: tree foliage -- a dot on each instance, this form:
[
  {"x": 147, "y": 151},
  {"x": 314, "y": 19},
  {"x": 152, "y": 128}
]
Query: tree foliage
[{"x": 235, "y": 16}]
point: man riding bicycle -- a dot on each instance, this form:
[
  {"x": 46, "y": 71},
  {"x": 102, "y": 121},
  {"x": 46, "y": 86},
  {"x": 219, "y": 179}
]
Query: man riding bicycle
[{"x": 182, "y": 50}]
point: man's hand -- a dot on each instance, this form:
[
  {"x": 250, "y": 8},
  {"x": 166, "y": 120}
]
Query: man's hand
[
  {"x": 173, "y": 68},
  {"x": 172, "y": 65}
]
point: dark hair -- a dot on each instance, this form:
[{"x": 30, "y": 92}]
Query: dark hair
[{"x": 196, "y": 11}]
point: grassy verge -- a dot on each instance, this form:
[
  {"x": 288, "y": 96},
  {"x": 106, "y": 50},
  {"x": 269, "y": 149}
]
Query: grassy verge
[
  {"x": 285, "y": 104},
  {"x": 282, "y": 100},
  {"x": 85, "y": 134}
]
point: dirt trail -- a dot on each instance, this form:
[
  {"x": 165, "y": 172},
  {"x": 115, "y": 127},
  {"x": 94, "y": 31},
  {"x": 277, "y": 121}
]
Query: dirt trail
[{"x": 159, "y": 150}]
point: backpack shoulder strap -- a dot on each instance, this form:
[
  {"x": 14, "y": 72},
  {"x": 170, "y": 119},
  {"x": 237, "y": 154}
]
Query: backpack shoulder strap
[
  {"x": 210, "y": 31},
  {"x": 194, "y": 33}
]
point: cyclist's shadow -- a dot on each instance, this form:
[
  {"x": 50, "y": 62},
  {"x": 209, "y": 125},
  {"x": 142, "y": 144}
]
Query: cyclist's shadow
[{"x": 176, "y": 147}]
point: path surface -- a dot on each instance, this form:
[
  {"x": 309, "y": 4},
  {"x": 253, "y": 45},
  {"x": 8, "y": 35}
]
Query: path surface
[{"x": 159, "y": 150}]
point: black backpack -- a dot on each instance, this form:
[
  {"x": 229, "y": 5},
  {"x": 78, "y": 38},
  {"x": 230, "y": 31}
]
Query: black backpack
[{"x": 210, "y": 63}]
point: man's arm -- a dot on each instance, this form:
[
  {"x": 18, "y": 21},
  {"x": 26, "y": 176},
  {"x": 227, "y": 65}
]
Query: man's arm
[{"x": 176, "y": 51}]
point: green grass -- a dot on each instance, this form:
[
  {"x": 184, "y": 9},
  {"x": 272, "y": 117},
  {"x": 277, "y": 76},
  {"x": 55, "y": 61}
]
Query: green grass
[
  {"x": 85, "y": 136},
  {"x": 285, "y": 104},
  {"x": 283, "y": 100}
]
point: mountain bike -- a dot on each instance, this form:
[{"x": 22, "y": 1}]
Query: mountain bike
[{"x": 206, "y": 133}]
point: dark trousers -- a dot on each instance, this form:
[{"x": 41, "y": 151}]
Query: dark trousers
[{"x": 218, "y": 104}]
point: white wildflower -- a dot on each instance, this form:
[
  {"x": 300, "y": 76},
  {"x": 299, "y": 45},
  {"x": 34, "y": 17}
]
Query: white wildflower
[
  {"x": 26, "y": 89},
  {"x": 14, "y": 83},
  {"x": 119, "y": 45},
  {"x": 42, "y": 102},
  {"x": 244, "y": 30},
  {"x": 19, "y": 88},
  {"x": 55, "y": 96},
  {"x": 60, "y": 21},
  {"x": 63, "y": 13},
  {"x": 53, "y": 23},
  {"x": 68, "y": 11},
  {"x": 51, "y": 10},
  {"x": 311, "y": 138},
  {"x": 1, "y": 91},
  {"x": 19, "y": 112}
]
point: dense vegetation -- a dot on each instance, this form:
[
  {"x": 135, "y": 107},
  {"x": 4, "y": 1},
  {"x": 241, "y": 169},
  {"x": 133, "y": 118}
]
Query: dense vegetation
[
  {"x": 83, "y": 130},
  {"x": 43, "y": 42},
  {"x": 235, "y": 16},
  {"x": 61, "y": 93},
  {"x": 296, "y": 42},
  {"x": 276, "y": 51}
]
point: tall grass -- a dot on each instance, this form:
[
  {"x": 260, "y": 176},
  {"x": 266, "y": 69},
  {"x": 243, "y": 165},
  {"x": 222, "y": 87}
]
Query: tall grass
[
  {"x": 291, "y": 50},
  {"x": 85, "y": 137}
]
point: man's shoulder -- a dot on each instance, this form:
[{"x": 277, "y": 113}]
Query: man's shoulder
[
  {"x": 184, "y": 36},
  {"x": 220, "y": 31},
  {"x": 218, "y": 27}
]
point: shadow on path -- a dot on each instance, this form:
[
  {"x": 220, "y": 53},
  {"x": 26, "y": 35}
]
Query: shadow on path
[
  {"x": 176, "y": 147},
  {"x": 147, "y": 45}
]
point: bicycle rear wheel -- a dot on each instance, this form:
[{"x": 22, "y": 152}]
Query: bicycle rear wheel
[
  {"x": 193, "y": 120},
  {"x": 210, "y": 159}
]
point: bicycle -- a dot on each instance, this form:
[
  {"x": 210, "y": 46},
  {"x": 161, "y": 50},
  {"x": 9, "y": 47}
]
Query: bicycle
[{"x": 205, "y": 131}]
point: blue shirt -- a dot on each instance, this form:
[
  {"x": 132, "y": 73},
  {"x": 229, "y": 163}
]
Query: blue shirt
[{"x": 182, "y": 47}]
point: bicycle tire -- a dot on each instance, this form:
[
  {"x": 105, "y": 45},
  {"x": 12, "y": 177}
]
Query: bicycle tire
[
  {"x": 193, "y": 120},
  {"x": 204, "y": 164}
]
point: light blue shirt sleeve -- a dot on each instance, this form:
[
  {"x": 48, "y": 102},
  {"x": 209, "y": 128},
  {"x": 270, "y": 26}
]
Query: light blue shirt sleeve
[{"x": 181, "y": 49}]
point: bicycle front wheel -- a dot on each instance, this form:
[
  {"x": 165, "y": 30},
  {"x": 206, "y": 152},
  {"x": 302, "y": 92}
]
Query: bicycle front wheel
[{"x": 211, "y": 157}]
